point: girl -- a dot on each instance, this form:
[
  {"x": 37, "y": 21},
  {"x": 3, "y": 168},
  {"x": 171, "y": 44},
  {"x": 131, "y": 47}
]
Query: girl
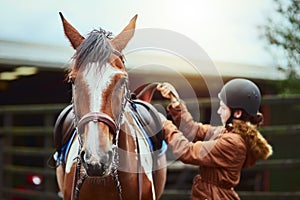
[{"x": 220, "y": 152}]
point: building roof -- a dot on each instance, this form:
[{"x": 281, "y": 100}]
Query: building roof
[{"x": 57, "y": 57}]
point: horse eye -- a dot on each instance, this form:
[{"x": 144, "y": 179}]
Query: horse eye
[
  {"x": 118, "y": 63},
  {"x": 122, "y": 59}
]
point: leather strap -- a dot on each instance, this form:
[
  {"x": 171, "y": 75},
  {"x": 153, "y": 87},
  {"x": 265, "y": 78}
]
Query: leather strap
[
  {"x": 146, "y": 91},
  {"x": 97, "y": 117}
]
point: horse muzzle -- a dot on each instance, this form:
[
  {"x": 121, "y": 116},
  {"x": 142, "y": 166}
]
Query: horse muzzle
[{"x": 100, "y": 167}]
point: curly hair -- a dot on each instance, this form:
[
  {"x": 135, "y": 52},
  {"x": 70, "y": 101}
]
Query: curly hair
[{"x": 257, "y": 144}]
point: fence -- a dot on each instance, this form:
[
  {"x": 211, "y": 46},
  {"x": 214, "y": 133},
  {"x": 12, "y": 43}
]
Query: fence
[{"x": 27, "y": 141}]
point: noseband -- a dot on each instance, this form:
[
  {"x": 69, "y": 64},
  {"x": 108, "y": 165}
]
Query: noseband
[{"x": 97, "y": 117}]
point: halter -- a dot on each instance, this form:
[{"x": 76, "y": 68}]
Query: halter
[{"x": 114, "y": 126}]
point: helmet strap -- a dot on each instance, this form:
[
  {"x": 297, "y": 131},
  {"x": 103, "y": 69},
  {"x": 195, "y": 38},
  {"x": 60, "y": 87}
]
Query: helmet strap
[{"x": 229, "y": 124}]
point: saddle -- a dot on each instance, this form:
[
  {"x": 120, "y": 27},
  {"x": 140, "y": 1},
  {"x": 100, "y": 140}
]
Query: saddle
[
  {"x": 63, "y": 130},
  {"x": 146, "y": 114},
  {"x": 64, "y": 127}
]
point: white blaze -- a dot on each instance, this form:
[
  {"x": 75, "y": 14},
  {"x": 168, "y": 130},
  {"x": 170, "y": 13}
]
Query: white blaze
[{"x": 97, "y": 78}]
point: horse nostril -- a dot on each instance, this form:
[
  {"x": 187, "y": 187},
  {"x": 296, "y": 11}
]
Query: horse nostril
[{"x": 107, "y": 158}]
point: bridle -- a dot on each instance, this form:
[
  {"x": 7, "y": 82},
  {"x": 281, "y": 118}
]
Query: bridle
[{"x": 114, "y": 126}]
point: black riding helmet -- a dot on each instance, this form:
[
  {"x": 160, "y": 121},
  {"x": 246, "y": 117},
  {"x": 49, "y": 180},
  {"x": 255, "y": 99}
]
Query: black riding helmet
[{"x": 241, "y": 94}]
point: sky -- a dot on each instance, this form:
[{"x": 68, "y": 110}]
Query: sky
[{"x": 225, "y": 29}]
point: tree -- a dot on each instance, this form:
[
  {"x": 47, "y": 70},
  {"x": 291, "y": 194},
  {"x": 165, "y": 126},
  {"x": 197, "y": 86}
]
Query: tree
[{"x": 282, "y": 33}]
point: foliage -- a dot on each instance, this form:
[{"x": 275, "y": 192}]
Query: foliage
[{"x": 282, "y": 32}]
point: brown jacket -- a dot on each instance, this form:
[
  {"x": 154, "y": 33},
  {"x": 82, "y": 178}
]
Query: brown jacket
[{"x": 220, "y": 154}]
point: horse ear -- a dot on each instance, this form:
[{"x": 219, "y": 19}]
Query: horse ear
[
  {"x": 121, "y": 40},
  {"x": 72, "y": 34}
]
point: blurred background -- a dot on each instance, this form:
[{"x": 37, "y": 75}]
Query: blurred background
[{"x": 258, "y": 40}]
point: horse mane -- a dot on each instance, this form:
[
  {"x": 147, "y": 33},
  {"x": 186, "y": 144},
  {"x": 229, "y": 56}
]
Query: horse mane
[{"x": 95, "y": 48}]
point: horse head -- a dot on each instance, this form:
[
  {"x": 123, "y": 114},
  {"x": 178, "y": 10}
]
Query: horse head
[{"x": 99, "y": 81}]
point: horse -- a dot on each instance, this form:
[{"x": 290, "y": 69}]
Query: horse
[{"x": 109, "y": 154}]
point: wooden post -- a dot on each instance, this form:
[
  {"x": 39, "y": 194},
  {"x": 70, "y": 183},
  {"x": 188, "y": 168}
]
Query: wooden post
[
  {"x": 48, "y": 144},
  {"x": 7, "y": 141},
  {"x": 1, "y": 163}
]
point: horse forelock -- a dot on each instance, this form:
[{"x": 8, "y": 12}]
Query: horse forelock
[{"x": 95, "y": 48}]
